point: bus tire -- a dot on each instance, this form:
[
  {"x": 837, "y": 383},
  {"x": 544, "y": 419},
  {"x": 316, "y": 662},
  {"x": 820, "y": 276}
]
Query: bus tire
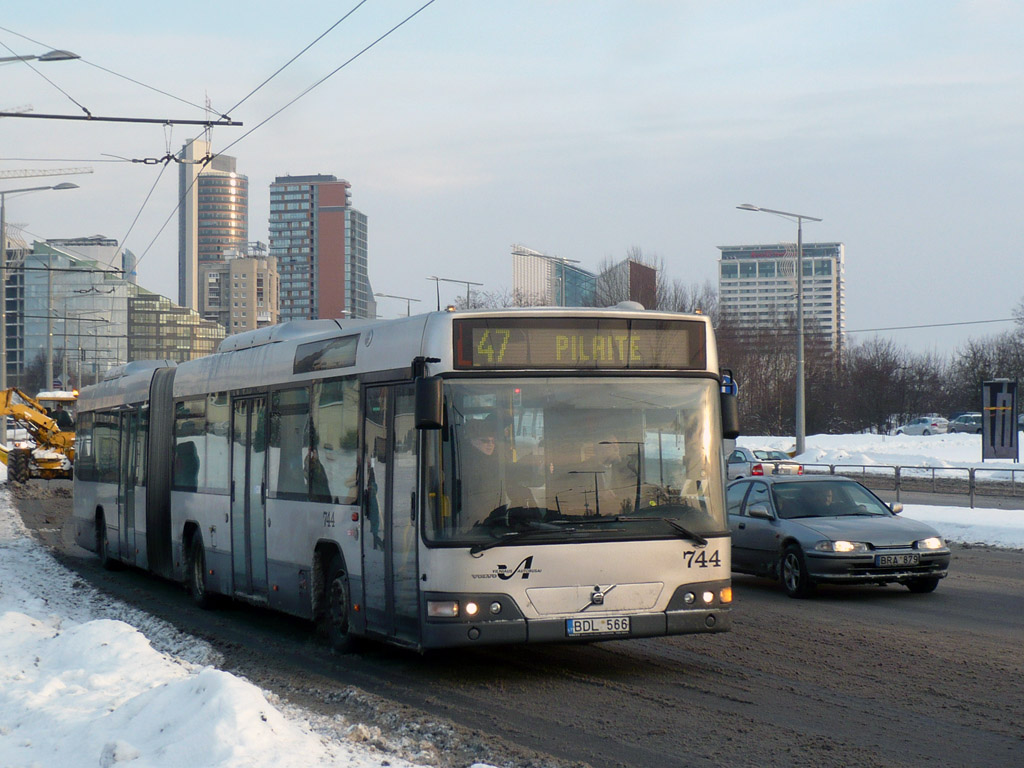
[
  {"x": 197, "y": 586},
  {"x": 107, "y": 559},
  {"x": 18, "y": 470},
  {"x": 793, "y": 572},
  {"x": 337, "y": 615}
]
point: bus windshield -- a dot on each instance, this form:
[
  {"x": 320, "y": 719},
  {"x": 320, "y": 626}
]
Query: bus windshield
[{"x": 575, "y": 458}]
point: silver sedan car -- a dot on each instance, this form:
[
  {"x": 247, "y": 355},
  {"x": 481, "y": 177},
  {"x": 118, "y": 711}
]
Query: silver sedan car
[
  {"x": 757, "y": 462},
  {"x": 813, "y": 530},
  {"x": 966, "y": 422},
  {"x": 924, "y": 425}
]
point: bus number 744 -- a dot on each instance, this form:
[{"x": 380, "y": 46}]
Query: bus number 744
[{"x": 700, "y": 559}]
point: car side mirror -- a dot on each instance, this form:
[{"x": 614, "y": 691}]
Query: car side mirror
[
  {"x": 896, "y": 507},
  {"x": 760, "y": 511}
]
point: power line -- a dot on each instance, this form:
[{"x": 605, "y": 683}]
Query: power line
[
  {"x": 109, "y": 71},
  {"x": 331, "y": 74},
  {"x": 297, "y": 55}
]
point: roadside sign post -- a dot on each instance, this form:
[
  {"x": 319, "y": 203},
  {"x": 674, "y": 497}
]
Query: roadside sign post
[{"x": 999, "y": 420}]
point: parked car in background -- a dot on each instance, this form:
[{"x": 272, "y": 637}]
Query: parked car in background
[
  {"x": 825, "y": 529},
  {"x": 966, "y": 422},
  {"x": 924, "y": 425},
  {"x": 757, "y": 462}
]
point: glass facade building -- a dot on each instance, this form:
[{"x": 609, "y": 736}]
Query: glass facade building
[{"x": 550, "y": 281}]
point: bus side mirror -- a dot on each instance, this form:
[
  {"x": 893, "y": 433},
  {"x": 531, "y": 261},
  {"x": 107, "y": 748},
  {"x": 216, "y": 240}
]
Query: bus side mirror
[
  {"x": 730, "y": 417},
  {"x": 429, "y": 403}
]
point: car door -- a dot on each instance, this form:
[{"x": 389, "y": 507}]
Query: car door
[{"x": 755, "y": 541}]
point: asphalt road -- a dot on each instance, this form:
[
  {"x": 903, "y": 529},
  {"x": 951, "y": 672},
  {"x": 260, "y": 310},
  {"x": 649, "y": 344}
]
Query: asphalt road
[{"x": 869, "y": 676}]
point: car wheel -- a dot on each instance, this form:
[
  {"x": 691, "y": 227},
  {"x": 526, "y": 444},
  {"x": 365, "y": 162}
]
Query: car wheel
[
  {"x": 197, "y": 574},
  {"x": 338, "y": 614},
  {"x": 922, "y": 585},
  {"x": 926, "y": 432},
  {"x": 899, "y": 431},
  {"x": 793, "y": 573}
]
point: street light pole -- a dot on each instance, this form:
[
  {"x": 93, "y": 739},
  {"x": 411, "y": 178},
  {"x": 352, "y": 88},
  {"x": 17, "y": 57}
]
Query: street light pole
[
  {"x": 439, "y": 280},
  {"x": 48, "y": 56},
  {"x": 3, "y": 284},
  {"x": 408, "y": 301},
  {"x": 801, "y": 409}
]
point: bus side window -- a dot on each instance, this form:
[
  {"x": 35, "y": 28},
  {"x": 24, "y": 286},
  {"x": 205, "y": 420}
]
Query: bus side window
[
  {"x": 289, "y": 443},
  {"x": 335, "y": 419}
]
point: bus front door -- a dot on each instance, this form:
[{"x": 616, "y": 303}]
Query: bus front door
[
  {"x": 390, "y": 471},
  {"x": 129, "y": 429},
  {"x": 249, "y": 496}
]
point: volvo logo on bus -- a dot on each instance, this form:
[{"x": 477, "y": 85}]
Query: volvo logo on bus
[
  {"x": 504, "y": 573},
  {"x": 597, "y": 597}
]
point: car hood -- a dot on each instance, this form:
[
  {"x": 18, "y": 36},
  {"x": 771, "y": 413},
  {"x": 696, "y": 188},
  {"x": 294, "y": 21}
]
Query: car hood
[{"x": 880, "y": 531}]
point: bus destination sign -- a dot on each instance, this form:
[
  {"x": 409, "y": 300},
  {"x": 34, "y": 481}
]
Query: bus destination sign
[{"x": 574, "y": 343}]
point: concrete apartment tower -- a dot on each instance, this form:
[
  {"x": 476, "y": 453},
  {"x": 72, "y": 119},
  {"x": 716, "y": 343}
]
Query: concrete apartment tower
[
  {"x": 319, "y": 242},
  {"x": 214, "y": 216}
]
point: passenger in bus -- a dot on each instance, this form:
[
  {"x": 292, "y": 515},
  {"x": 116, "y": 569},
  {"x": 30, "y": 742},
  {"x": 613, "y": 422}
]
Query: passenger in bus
[
  {"x": 617, "y": 480},
  {"x": 373, "y": 505},
  {"x": 319, "y": 488}
]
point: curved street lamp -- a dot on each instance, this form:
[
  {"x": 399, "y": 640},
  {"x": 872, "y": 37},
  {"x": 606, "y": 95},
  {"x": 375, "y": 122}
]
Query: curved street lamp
[
  {"x": 48, "y": 56},
  {"x": 801, "y": 415}
]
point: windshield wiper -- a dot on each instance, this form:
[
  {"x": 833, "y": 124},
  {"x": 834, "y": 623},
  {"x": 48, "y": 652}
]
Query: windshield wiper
[
  {"x": 507, "y": 538},
  {"x": 699, "y": 540}
]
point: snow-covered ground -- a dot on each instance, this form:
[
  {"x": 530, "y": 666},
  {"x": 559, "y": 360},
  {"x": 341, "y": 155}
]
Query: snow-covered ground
[{"x": 86, "y": 681}]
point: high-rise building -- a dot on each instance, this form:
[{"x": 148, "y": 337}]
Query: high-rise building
[
  {"x": 241, "y": 292},
  {"x": 757, "y": 287},
  {"x": 549, "y": 281},
  {"x": 320, "y": 243},
  {"x": 629, "y": 280},
  {"x": 213, "y": 219}
]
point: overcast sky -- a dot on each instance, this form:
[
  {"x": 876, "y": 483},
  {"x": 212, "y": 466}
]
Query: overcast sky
[{"x": 580, "y": 129}]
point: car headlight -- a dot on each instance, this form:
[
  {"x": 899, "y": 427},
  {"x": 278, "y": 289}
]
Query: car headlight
[
  {"x": 932, "y": 542},
  {"x": 841, "y": 546}
]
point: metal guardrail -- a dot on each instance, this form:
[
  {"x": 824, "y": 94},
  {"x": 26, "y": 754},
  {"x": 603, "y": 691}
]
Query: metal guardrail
[{"x": 974, "y": 481}]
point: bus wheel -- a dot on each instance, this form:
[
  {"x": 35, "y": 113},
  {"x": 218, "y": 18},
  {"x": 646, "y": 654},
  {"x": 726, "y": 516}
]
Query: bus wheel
[
  {"x": 338, "y": 613},
  {"x": 107, "y": 560},
  {"x": 197, "y": 574}
]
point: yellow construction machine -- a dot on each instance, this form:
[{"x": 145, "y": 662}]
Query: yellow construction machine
[{"x": 46, "y": 426}]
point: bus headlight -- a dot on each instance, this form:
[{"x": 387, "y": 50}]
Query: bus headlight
[{"x": 472, "y": 608}]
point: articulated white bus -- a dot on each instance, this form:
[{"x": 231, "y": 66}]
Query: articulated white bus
[{"x": 448, "y": 479}]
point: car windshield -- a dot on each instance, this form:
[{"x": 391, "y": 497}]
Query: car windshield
[
  {"x": 825, "y": 499},
  {"x": 575, "y": 459}
]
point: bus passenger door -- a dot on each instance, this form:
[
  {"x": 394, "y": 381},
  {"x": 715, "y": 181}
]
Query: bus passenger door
[
  {"x": 390, "y": 471},
  {"x": 129, "y": 429},
  {"x": 249, "y": 495}
]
